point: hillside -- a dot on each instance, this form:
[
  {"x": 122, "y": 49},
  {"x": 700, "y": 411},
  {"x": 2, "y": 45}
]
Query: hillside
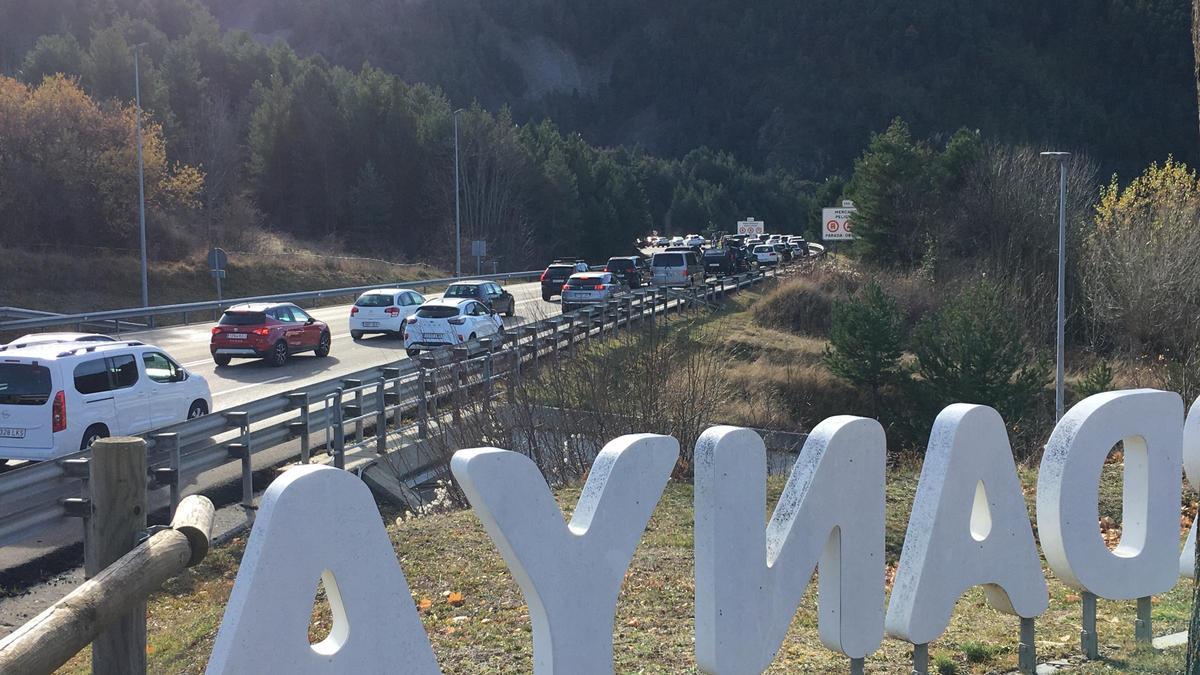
[{"x": 785, "y": 84}]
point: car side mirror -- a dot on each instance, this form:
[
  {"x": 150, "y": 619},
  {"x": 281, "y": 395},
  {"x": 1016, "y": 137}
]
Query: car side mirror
[{"x": 310, "y": 321}]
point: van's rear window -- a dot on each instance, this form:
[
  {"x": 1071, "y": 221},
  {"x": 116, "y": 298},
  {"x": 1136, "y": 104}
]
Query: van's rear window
[
  {"x": 24, "y": 384},
  {"x": 668, "y": 260},
  {"x": 243, "y": 318}
]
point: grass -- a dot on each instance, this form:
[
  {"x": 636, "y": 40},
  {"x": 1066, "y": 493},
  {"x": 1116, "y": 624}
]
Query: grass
[
  {"x": 489, "y": 632},
  {"x": 76, "y": 282}
]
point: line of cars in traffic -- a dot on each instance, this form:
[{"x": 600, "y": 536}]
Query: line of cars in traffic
[{"x": 59, "y": 392}]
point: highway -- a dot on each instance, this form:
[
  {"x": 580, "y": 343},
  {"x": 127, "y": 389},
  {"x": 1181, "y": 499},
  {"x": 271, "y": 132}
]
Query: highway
[{"x": 249, "y": 379}]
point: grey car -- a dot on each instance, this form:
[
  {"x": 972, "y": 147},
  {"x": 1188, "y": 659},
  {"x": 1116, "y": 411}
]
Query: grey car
[{"x": 589, "y": 288}]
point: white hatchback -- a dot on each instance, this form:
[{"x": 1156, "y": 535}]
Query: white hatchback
[
  {"x": 383, "y": 310},
  {"x": 56, "y": 399},
  {"x": 766, "y": 254},
  {"x": 693, "y": 240},
  {"x": 449, "y": 321}
]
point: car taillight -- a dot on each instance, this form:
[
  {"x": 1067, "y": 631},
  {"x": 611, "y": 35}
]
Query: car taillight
[
  {"x": 58, "y": 413},
  {"x": 544, "y": 276},
  {"x": 412, "y": 319},
  {"x": 216, "y": 329},
  {"x": 458, "y": 321},
  {"x": 598, "y": 287},
  {"x": 353, "y": 310},
  {"x": 392, "y": 311},
  {"x": 564, "y": 287},
  {"x": 262, "y": 331}
]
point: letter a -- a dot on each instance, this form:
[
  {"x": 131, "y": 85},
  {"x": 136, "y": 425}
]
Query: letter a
[
  {"x": 570, "y": 574},
  {"x": 1191, "y": 469},
  {"x": 969, "y": 526},
  {"x": 749, "y": 582},
  {"x": 317, "y": 522}
]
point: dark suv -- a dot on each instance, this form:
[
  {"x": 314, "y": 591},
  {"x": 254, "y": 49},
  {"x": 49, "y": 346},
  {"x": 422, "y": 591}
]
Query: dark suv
[
  {"x": 632, "y": 270},
  {"x": 271, "y": 331},
  {"x": 556, "y": 275},
  {"x": 720, "y": 262},
  {"x": 488, "y": 292}
]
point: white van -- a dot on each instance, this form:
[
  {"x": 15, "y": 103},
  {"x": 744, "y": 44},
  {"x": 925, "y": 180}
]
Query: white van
[
  {"x": 58, "y": 398},
  {"x": 676, "y": 268}
]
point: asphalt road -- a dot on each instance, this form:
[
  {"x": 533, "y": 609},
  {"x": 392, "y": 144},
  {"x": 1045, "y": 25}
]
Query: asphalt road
[{"x": 250, "y": 379}]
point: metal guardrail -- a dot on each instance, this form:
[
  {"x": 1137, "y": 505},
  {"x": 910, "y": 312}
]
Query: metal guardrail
[
  {"x": 150, "y": 313},
  {"x": 40, "y": 495}
]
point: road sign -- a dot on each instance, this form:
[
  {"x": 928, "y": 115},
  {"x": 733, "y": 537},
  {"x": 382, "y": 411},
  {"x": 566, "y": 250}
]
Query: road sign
[
  {"x": 750, "y": 226},
  {"x": 837, "y": 222},
  {"x": 479, "y": 248},
  {"x": 217, "y": 259}
]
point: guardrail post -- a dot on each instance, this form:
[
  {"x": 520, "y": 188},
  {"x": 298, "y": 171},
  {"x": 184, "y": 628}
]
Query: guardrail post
[
  {"x": 356, "y": 385},
  {"x": 920, "y": 659},
  {"x": 301, "y": 427},
  {"x": 1142, "y": 631},
  {"x": 170, "y": 476},
  {"x": 243, "y": 451},
  {"x": 1089, "y": 641},
  {"x": 1027, "y": 651},
  {"x": 118, "y": 517},
  {"x": 461, "y": 355},
  {"x": 488, "y": 345},
  {"x": 339, "y": 431},
  {"x": 381, "y": 426}
]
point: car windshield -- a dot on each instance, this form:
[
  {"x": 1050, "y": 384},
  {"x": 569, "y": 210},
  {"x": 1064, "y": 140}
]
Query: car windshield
[
  {"x": 763, "y": 249},
  {"x": 580, "y": 282},
  {"x": 375, "y": 300},
  {"x": 714, "y": 253},
  {"x": 668, "y": 260},
  {"x": 437, "y": 312},
  {"x": 243, "y": 318},
  {"x": 24, "y": 384},
  {"x": 619, "y": 264},
  {"x": 560, "y": 270},
  {"x": 462, "y": 291}
]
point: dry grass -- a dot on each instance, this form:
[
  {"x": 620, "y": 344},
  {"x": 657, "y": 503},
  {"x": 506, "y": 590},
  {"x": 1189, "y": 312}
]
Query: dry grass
[
  {"x": 489, "y": 632},
  {"x": 97, "y": 280}
]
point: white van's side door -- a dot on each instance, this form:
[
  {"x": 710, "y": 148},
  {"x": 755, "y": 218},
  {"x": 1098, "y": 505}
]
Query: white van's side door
[
  {"x": 92, "y": 383},
  {"x": 169, "y": 397},
  {"x": 130, "y": 395}
]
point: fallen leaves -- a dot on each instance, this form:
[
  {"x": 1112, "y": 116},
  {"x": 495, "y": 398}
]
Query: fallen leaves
[
  {"x": 455, "y": 599},
  {"x": 424, "y": 604}
]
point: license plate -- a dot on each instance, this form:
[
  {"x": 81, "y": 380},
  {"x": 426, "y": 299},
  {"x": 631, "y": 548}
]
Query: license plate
[
  {"x": 370, "y": 324},
  {"x": 236, "y": 336},
  {"x": 11, "y": 432}
]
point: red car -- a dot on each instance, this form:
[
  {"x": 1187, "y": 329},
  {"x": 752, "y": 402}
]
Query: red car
[{"x": 271, "y": 331}]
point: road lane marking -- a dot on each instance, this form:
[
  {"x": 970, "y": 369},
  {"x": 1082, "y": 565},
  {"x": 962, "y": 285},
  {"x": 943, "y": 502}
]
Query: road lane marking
[{"x": 273, "y": 380}]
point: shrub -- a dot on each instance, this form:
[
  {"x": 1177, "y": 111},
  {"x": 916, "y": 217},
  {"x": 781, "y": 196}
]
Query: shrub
[
  {"x": 1097, "y": 380},
  {"x": 804, "y": 304},
  {"x": 864, "y": 341},
  {"x": 973, "y": 351}
]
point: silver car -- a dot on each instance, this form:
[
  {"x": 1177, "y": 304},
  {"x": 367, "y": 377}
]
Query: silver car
[{"x": 590, "y": 287}]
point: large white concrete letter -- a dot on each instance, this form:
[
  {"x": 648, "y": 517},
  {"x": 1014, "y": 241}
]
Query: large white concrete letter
[
  {"x": 1191, "y": 468},
  {"x": 1145, "y": 561},
  {"x": 749, "y": 582},
  {"x": 319, "y": 523},
  {"x": 969, "y": 526},
  {"x": 570, "y": 574}
]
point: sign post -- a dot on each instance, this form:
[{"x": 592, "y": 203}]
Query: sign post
[
  {"x": 750, "y": 226},
  {"x": 837, "y": 222},
  {"x": 479, "y": 250},
  {"x": 217, "y": 260}
]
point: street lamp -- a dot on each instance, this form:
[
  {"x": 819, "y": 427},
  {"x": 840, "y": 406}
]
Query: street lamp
[
  {"x": 137, "y": 93},
  {"x": 457, "y": 221},
  {"x": 1061, "y": 158}
]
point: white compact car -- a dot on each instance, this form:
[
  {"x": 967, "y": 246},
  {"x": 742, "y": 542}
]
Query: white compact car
[
  {"x": 675, "y": 241},
  {"x": 383, "y": 310},
  {"x": 766, "y": 255},
  {"x": 693, "y": 240},
  {"x": 46, "y": 338},
  {"x": 58, "y": 398},
  {"x": 449, "y": 321}
]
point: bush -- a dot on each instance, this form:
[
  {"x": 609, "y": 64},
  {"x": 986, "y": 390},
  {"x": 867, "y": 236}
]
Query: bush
[
  {"x": 864, "y": 341},
  {"x": 804, "y": 305},
  {"x": 973, "y": 351},
  {"x": 1097, "y": 380}
]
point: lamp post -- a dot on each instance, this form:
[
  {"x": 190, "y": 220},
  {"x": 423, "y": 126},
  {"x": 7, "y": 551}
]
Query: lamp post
[
  {"x": 1061, "y": 158},
  {"x": 137, "y": 93},
  {"x": 457, "y": 221}
]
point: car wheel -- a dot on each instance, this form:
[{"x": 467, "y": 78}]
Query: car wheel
[
  {"x": 322, "y": 349},
  {"x": 356, "y": 335},
  {"x": 221, "y": 360},
  {"x": 198, "y": 409},
  {"x": 546, "y": 297},
  {"x": 412, "y": 353},
  {"x": 512, "y": 309},
  {"x": 93, "y": 434},
  {"x": 279, "y": 354}
]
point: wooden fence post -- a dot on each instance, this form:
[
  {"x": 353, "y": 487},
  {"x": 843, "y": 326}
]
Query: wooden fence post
[{"x": 118, "y": 486}]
